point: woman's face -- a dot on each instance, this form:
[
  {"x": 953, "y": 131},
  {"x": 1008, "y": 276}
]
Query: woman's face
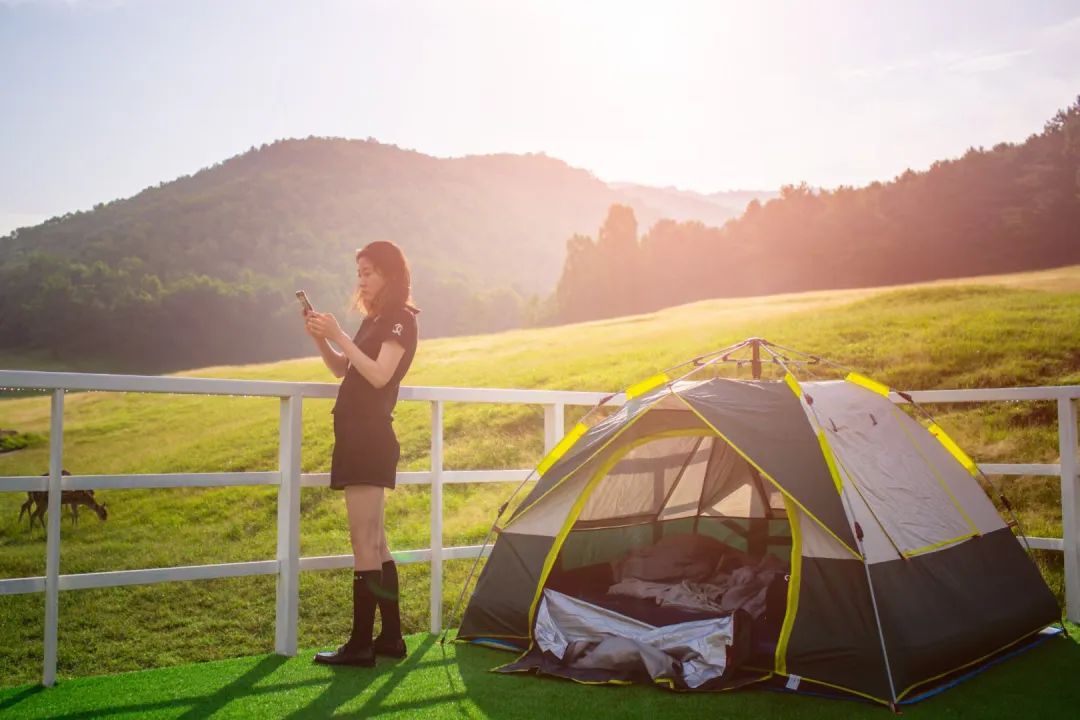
[{"x": 370, "y": 280}]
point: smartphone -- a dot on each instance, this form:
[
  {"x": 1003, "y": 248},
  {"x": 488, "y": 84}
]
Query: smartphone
[{"x": 302, "y": 297}]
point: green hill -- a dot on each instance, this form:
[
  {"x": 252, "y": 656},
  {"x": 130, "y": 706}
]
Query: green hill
[
  {"x": 991, "y": 331},
  {"x": 233, "y": 241}
]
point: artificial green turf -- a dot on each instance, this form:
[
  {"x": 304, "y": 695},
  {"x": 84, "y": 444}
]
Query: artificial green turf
[{"x": 453, "y": 681}]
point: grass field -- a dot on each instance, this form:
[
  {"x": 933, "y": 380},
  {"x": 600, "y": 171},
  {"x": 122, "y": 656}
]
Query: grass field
[
  {"x": 1012, "y": 330},
  {"x": 454, "y": 682}
]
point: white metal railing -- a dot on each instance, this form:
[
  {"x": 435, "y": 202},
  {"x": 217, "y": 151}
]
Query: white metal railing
[{"x": 288, "y": 564}]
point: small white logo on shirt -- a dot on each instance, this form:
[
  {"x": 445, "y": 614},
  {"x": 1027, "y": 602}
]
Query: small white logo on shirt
[{"x": 397, "y": 329}]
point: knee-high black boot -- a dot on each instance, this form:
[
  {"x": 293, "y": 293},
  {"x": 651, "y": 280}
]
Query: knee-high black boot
[
  {"x": 358, "y": 649},
  {"x": 389, "y": 642}
]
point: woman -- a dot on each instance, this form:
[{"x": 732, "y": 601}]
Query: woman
[{"x": 365, "y": 448}]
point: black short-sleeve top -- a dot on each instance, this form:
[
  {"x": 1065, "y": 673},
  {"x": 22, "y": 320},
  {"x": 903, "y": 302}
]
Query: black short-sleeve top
[{"x": 358, "y": 399}]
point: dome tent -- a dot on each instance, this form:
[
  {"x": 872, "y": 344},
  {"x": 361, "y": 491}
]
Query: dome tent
[{"x": 895, "y": 569}]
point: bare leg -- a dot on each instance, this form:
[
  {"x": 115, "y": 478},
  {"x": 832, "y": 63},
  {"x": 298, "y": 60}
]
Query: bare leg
[
  {"x": 364, "y": 504},
  {"x": 384, "y": 548}
]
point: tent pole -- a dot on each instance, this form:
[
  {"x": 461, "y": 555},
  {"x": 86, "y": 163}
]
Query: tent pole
[
  {"x": 873, "y": 599},
  {"x": 756, "y": 362}
]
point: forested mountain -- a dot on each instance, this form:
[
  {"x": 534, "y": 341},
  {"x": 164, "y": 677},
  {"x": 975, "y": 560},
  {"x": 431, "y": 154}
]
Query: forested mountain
[
  {"x": 201, "y": 270},
  {"x": 1013, "y": 207}
]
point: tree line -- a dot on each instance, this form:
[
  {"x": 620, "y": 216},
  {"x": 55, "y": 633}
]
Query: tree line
[
  {"x": 89, "y": 315},
  {"x": 1010, "y": 208}
]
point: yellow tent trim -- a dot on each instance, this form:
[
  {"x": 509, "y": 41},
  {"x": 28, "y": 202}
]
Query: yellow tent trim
[
  {"x": 938, "y": 545},
  {"x": 487, "y": 643},
  {"x": 967, "y": 664},
  {"x": 954, "y": 449},
  {"x": 491, "y": 635},
  {"x": 561, "y": 447},
  {"x": 556, "y": 545},
  {"x": 834, "y": 686},
  {"x": 830, "y": 460},
  {"x": 506, "y": 668},
  {"x": 646, "y": 385},
  {"x": 613, "y": 681},
  {"x": 867, "y": 383},
  {"x": 793, "y": 587},
  {"x": 793, "y": 383}
]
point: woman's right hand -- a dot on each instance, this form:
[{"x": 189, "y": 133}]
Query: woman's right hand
[{"x": 307, "y": 315}]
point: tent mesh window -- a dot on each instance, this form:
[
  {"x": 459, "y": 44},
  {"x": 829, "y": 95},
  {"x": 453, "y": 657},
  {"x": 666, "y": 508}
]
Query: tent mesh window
[{"x": 680, "y": 509}]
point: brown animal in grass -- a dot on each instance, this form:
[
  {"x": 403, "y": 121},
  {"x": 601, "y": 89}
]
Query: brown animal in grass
[{"x": 37, "y": 504}]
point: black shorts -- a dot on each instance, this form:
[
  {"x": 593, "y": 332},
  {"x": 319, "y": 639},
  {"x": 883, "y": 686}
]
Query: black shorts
[{"x": 365, "y": 453}]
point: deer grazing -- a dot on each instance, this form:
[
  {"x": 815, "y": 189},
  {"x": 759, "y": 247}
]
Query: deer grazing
[{"x": 37, "y": 504}]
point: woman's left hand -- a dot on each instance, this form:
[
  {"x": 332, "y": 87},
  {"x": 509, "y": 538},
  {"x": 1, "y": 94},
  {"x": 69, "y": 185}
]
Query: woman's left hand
[{"x": 325, "y": 325}]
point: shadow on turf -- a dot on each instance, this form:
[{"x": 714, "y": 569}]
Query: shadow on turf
[
  {"x": 20, "y": 696},
  {"x": 343, "y": 688},
  {"x": 198, "y": 707},
  {"x": 346, "y": 683},
  {"x": 243, "y": 685}
]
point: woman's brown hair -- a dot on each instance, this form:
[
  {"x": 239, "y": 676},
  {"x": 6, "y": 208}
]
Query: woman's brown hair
[{"x": 390, "y": 262}]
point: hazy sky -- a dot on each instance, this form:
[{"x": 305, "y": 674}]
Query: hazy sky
[{"x": 101, "y": 98}]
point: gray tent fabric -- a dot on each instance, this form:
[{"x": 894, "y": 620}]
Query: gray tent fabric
[
  {"x": 920, "y": 495},
  {"x": 504, "y": 593},
  {"x": 964, "y": 602},
  {"x": 765, "y": 421},
  {"x": 834, "y": 638},
  {"x": 897, "y": 568}
]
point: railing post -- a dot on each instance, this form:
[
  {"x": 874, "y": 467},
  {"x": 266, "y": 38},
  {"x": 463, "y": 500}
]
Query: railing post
[
  {"x": 52, "y": 543},
  {"x": 290, "y": 431},
  {"x": 554, "y": 424},
  {"x": 436, "y": 515},
  {"x": 1070, "y": 505}
]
